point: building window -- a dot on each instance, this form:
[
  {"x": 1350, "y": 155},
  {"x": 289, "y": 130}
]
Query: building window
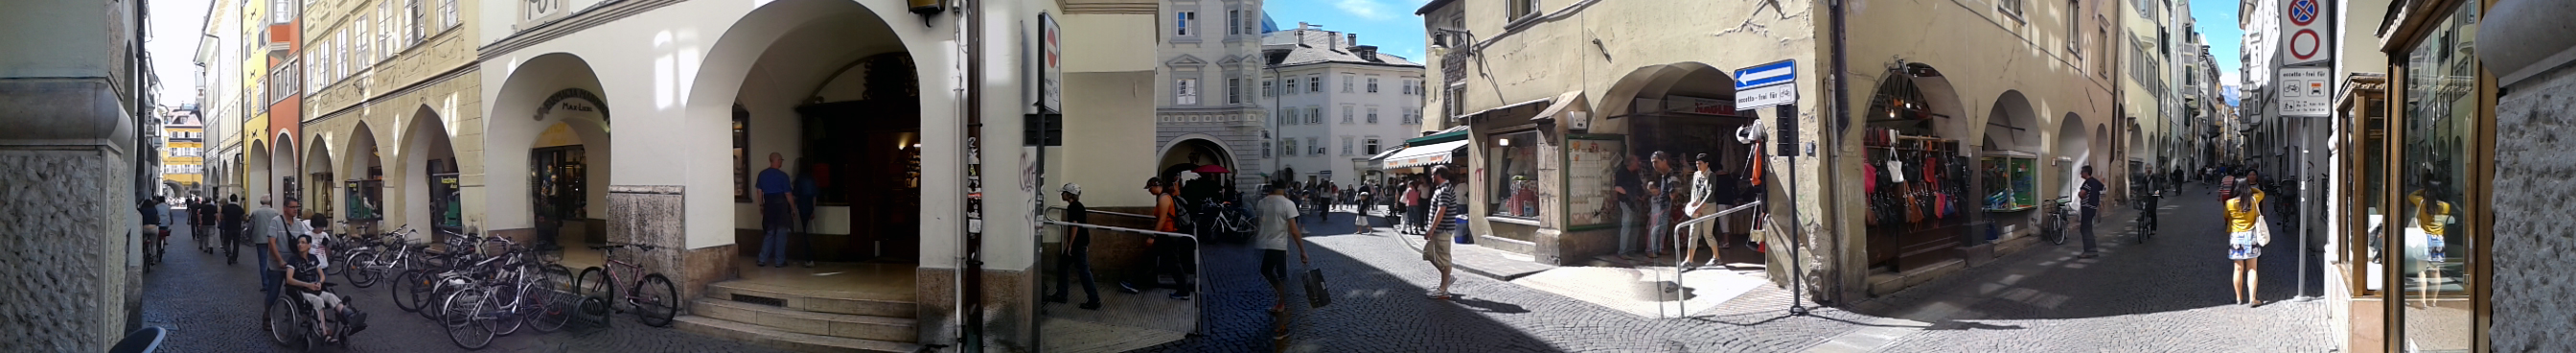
[
  {"x": 1346, "y": 145},
  {"x": 1234, "y": 22},
  {"x": 364, "y": 55},
  {"x": 447, "y": 15},
  {"x": 2074, "y": 32},
  {"x": 1288, "y": 116},
  {"x": 1266, "y": 89},
  {"x": 1520, "y": 9},
  {"x": 1314, "y": 115},
  {"x": 1369, "y": 146},
  {"x": 1346, "y": 113},
  {"x": 2010, "y": 7},
  {"x": 412, "y": 24},
  {"x": 281, "y": 11},
  {"x": 1185, "y": 92},
  {"x": 1233, "y": 91},
  {"x": 385, "y": 29},
  {"x": 2445, "y": 119},
  {"x": 1454, "y": 106},
  {"x": 1372, "y": 84},
  {"x": 1346, "y": 83},
  {"x": 1181, "y": 22},
  {"x": 1291, "y": 145},
  {"x": 1316, "y": 145},
  {"x": 340, "y": 61},
  {"x": 1291, "y": 87},
  {"x": 1515, "y": 176},
  {"x": 1372, "y": 115},
  {"x": 1314, "y": 82},
  {"x": 1265, "y": 149}
]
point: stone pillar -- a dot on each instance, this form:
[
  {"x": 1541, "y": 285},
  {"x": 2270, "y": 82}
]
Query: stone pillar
[
  {"x": 67, "y": 176},
  {"x": 2533, "y": 63},
  {"x": 1009, "y": 316},
  {"x": 656, "y": 215}
]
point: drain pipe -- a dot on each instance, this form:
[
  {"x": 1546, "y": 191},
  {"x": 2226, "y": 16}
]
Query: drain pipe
[
  {"x": 1833, "y": 153},
  {"x": 970, "y": 292}
]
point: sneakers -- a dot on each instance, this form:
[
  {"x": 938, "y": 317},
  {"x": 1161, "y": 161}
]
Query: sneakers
[{"x": 1123, "y": 287}]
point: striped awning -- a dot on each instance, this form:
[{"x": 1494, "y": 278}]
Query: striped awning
[{"x": 1416, "y": 156}]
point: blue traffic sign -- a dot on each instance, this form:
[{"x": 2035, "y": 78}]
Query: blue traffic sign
[
  {"x": 1781, "y": 72},
  {"x": 2303, "y": 12}
]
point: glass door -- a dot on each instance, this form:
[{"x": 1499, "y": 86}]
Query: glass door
[{"x": 2434, "y": 247}]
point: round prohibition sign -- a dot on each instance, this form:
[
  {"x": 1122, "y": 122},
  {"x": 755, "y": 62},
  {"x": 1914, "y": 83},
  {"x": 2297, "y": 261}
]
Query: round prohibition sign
[
  {"x": 2303, "y": 12},
  {"x": 2305, "y": 44}
]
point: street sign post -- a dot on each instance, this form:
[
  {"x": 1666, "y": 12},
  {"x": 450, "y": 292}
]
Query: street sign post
[
  {"x": 2303, "y": 32},
  {"x": 2304, "y": 92},
  {"x": 1766, "y": 85}
]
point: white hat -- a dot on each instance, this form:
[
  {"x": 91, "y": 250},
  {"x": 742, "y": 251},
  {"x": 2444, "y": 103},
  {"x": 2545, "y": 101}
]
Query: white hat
[{"x": 1073, "y": 189}]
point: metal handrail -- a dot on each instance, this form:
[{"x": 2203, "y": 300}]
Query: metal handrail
[
  {"x": 1678, "y": 262},
  {"x": 1197, "y": 262}
]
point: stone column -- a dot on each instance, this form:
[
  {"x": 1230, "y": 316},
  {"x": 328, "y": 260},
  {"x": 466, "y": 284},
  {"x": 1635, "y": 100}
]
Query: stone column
[
  {"x": 656, "y": 215},
  {"x": 66, "y": 174},
  {"x": 2533, "y": 63}
]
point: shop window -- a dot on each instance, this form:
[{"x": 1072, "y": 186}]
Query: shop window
[
  {"x": 741, "y": 154},
  {"x": 1515, "y": 175},
  {"x": 2011, "y": 181},
  {"x": 2438, "y": 132}
]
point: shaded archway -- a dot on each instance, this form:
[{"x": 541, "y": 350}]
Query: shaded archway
[
  {"x": 283, "y": 181},
  {"x": 548, "y": 145},
  {"x": 314, "y": 178},
  {"x": 431, "y": 198},
  {"x": 254, "y": 169},
  {"x": 1198, "y": 153},
  {"x": 361, "y": 181},
  {"x": 2072, "y": 150},
  {"x": 2012, "y": 125}
]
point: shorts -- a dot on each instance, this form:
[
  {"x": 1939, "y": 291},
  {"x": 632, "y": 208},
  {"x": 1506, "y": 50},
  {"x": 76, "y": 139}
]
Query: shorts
[
  {"x": 1437, "y": 252},
  {"x": 1274, "y": 265},
  {"x": 2240, "y": 246}
]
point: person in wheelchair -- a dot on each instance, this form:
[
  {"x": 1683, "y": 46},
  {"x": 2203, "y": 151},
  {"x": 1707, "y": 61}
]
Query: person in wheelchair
[{"x": 304, "y": 273}]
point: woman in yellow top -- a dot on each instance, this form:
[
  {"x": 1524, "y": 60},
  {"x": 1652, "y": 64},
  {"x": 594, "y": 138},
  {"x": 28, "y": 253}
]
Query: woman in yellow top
[{"x": 2242, "y": 245}]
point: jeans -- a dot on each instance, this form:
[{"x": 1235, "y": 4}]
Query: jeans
[
  {"x": 2087, "y": 228},
  {"x": 1662, "y": 227},
  {"x": 1177, "y": 262},
  {"x": 1078, "y": 261},
  {"x": 773, "y": 245},
  {"x": 268, "y": 276},
  {"x": 1627, "y": 227}
]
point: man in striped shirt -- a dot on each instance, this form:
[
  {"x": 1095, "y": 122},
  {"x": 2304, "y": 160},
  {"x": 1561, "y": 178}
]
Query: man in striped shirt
[{"x": 1444, "y": 210}]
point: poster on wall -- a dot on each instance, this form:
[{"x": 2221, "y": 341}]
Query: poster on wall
[{"x": 1592, "y": 160}]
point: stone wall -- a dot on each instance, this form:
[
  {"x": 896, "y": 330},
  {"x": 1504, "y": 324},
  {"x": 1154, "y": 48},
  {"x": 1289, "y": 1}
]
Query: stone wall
[
  {"x": 2533, "y": 278},
  {"x": 66, "y": 249},
  {"x": 653, "y": 215},
  {"x": 1009, "y": 317}
]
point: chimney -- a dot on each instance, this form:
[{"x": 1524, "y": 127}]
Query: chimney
[{"x": 1354, "y": 39}]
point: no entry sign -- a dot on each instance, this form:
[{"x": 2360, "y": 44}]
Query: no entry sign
[{"x": 2303, "y": 33}]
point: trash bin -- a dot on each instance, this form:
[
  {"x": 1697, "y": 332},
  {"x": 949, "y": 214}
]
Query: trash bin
[{"x": 1462, "y": 237}]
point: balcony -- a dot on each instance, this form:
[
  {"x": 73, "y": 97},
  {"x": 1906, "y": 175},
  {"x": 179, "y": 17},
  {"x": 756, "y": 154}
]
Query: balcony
[{"x": 280, "y": 40}]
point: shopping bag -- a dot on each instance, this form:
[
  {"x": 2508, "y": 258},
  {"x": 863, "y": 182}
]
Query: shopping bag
[{"x": 1316, "y": 295}]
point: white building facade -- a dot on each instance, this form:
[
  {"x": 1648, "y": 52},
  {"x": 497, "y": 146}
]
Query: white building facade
[
  {"x": 1208, "y": 113},
  {"x": 1339, "y": 102}
]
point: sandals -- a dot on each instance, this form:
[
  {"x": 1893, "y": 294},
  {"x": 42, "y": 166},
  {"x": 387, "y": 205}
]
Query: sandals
[{"x": 1439, "y": 296}]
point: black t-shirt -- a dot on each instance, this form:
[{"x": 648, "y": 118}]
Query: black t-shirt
[
  {"x": 2092, "y": 193},
  {"x": 304, "y": 271},
  {"x": 1635, "y": 184},
  {"x": 1077, "y": 214},
  {"x": 232, "y": 216}
]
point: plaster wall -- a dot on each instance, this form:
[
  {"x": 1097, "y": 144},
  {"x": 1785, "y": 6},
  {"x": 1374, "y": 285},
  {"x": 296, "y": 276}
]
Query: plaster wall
[{"x": 1390, "y": 102}]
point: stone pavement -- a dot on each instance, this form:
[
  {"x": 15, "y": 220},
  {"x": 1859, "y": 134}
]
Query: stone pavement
[
  {"x": 2167, "y": 294},
  {"x": 213, "y": 307}
]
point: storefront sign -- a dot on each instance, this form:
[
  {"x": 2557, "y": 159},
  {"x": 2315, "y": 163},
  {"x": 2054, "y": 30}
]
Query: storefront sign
[
  {"x": 2304, "y": 92},
  {"x": 1766, "y": 85}
]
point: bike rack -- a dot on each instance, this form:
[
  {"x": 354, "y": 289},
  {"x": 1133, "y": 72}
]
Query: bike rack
[{"x": 1683, "y": 306}]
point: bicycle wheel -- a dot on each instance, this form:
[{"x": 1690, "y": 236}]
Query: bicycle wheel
[
  {"x": 286, "y": 324},
  {"x": 544, "y": 311},
  {"x": 466, "y": 320},
  {"x": 656, "y": 300},
  {"x": 407, "y": 289},
  {"x": 594, "y": 282},
  {"x": 2057, "y": 230},
  {"x": 506, "y": 309},
  {"x": 367, "y": 271},
  {"x": 341, "y": 266}
]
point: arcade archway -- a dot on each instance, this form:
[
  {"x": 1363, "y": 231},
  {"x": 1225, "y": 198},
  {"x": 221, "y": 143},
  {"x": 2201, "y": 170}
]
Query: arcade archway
[{"x": 431, "y": 183}]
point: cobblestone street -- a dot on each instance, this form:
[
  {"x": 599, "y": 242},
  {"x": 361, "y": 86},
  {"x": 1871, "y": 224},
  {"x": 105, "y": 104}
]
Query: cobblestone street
[
  {"x": 212, "y": 307},
  {"x": 2167, "y": 294}
]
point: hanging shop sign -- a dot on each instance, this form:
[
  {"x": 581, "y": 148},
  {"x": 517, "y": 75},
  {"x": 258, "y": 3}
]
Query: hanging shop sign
[
  {"x": 2304, "y": 28},
  {"x": 2303, "y": 92},
  {"x": 1766, "y": 85}
]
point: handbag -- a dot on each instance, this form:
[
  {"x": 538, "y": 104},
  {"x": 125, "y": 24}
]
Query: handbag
[
  {"x": 1316, "y": 295},
  {"x": 2262, "y": 231}
]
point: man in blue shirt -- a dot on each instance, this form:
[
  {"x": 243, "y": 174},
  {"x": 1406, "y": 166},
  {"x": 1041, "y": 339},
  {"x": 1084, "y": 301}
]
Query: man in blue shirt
[
  {"x": 777, "y": 213},
  {"x": 806, "y": 189}
]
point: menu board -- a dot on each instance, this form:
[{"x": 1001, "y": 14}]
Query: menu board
[{"x": 1593, "y": 161}]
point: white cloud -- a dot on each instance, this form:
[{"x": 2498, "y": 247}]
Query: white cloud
[
  {"x": 2228, "y": 77},
  {"x": 1365, "y": 9}
]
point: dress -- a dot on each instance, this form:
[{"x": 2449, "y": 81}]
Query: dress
[{"x": 2241, "y": 242}]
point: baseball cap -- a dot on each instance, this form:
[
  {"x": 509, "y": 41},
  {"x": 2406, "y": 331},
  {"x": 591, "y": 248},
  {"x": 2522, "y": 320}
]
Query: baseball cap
[{"x": 1073, "y": 189}]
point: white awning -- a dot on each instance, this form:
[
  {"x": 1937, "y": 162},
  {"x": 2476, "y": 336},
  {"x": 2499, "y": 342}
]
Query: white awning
[{"x": 1416, "y": 156}]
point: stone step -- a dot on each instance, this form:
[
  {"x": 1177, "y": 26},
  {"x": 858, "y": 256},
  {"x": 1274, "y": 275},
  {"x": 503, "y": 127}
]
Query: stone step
[
  {"x": 821, "y": 301},
  {"x": 806, "y": 322},
  {"x": 775, "y": 338}
]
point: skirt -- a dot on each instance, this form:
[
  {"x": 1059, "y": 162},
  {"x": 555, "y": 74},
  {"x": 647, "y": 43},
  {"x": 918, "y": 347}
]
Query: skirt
[{"x": 2240, "y": 246}]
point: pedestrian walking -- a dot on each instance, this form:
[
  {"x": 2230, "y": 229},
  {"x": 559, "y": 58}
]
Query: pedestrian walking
[
  {"x": 1171, "y": 254},
  {"x": 1700, "y": 206},
  {"x": 2091, "y": 192},
  {"x": 777, "y": 212},
  {"x": 268, "y": 238},
  {"x": 207, "y": 232},
  {"x": 1444, "y": 202},
  {"x": 807, "y": 187},
  {"x": 155, "y": 210},
  {"x": 1076, "y": 256},
  {"x": 230, "y": 222},
  {"x": 1359, "y": 214},
  {"x": 1667, "y": 187},
  {"x": 1277, "y": 233},
  {"x": 1412, "y": 207},
  {"x": 2244, "y": 242}
]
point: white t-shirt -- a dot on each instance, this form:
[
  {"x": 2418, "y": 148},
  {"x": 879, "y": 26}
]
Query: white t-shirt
[{"x": 1275, "y": 212}]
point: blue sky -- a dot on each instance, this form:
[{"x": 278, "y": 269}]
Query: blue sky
[
  {"x": 1388, "y": 24},
  {"x": 2217, "y": 24}
]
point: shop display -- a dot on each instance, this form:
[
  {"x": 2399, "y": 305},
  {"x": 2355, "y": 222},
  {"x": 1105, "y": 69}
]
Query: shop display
[
  {"x": 2012, "y": 181},
  {"x": 1594, "y": 159}
]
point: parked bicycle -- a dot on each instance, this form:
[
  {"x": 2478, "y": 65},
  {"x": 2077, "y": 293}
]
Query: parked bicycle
[
  {"x": 2052, "y": 225},
  {"x": 391, "y": 252},
  {"x": 652, "y": 298}
]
